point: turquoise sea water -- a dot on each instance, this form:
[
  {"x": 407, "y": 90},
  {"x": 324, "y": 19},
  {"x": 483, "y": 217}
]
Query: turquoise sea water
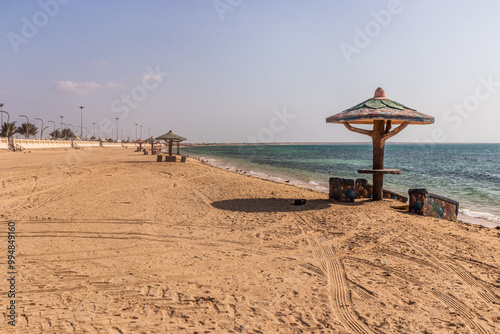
[{"x": 468, "y": 173}]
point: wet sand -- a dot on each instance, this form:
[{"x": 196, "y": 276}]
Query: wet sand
[{"x": 110, "y": 241}]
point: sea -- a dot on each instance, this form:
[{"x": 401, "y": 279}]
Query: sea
[{"x": 467, "y": 173}]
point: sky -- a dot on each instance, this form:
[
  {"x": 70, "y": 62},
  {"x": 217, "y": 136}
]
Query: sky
[{"x": 250, "y": 70}]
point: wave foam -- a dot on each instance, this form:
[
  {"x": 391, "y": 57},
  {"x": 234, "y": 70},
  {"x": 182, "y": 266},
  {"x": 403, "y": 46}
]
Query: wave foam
[{"x": 481, "y": 215}]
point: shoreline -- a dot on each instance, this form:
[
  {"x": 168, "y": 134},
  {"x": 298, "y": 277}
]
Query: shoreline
[{"x": 466, "y": 215}]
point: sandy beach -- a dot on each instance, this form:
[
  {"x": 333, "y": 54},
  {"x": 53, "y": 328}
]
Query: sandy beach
[{"x": 111, "y": 241}]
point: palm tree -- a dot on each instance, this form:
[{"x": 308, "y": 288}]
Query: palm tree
[
  {"x": 67, "y": 134},
  {"x": 55, "y": 134},
  {"x": 8, "y": 130},
  {"x": 27, "y": 129}
]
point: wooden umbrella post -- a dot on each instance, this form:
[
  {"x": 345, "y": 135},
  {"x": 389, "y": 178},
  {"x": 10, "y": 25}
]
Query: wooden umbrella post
[
  {"x": 178, "y": 152},
  {"x": 378, "y": 159},
  {"x": 170, "y": 146},
  {"x": 379, "y": 135}
]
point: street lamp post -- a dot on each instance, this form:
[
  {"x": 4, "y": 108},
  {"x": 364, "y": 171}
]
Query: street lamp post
[
  {"x": 27, "y": 126},
  {"x": 53, "y": 131},
  {"x": 8, "y": 116},
  {"x": 81, "y": 121},
  {"x": 41, "y": 133},
  {"x": 94, "y": 130},
  {"x": 1, "y": 112},
  {"x": 61, "y": 122},
  {"x": 117, "y": 128},
  {"x": 136, "y": 131},
  {"x": 141, "y": 131}
]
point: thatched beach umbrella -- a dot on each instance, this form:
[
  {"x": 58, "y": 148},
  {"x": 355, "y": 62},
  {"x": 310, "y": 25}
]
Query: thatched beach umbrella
[
  {"x": 171, "y": 137},
  {"x": 152, "y": 142},
  {"x": 382, "y": 113},
  {"x": 140, "y": 142}
]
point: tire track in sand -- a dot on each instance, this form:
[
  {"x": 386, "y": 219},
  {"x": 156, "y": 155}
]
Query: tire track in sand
[
  {"x": 469, "y": 318},
  {"x": 479, "y": 289},
  {"x": 340, "y": 294}
]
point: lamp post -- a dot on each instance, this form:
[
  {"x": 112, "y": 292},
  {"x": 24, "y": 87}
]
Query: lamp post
[
  {"x": 81, "y": 121},
  {"x": 53, "y": 131},
  {"x": 41, "y": 133},
  {"x": 1, "y": 112},
  {"x": 61, "y": 122},
  {"x": 136, "y": 131},
  {"x": 43, "y": 129},
  {"x": 8, "y": 116},
  {"x": 94, "y": 130},
  {"x": 27, "y": 126},
  {"x": 117, "y": 128},
  {"x": 141, "y": 131}
]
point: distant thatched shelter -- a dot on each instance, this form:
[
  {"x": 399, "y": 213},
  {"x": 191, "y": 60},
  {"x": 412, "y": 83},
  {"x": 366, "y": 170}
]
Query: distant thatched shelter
[{"x": 171, "y": 137}]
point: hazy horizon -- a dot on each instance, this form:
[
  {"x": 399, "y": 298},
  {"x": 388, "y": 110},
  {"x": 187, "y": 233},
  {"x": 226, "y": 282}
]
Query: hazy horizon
[{"x": 226, "y": 71}]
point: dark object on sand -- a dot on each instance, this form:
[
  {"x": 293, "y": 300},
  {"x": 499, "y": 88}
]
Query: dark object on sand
[
  {"x": 159, "y": 158},
  {"x": 300, "y": 202},
  {"x": 170, "y": 158}
]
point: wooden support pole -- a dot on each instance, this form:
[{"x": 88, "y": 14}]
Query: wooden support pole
[
  {"x": 178, "y": 152},
  {"x": 378, "y": 159},
  {"x": 170, "y": 147}
]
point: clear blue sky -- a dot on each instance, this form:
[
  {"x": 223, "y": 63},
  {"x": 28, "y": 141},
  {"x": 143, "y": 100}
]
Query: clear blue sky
[{"x": 223, "y": 70}]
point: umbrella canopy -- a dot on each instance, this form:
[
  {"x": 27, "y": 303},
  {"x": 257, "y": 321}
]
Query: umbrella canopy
[
  {"x": 382, "y": 113},
  {"x": 171, "y": 137},
  {"x": 140, "y": 142},
  {"x": 380, "y": 108}
]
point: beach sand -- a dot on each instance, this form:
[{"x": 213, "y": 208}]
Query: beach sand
[{"x": 110, "y": 241}]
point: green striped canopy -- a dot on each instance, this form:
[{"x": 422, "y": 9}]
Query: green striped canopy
[{"x": 380, "y": 108}]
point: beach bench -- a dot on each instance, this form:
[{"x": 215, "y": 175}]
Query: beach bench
[
  {"x": 183, "y": 158},
  {"x": 347, "y": 190},
  {"x": 159, "y": 158},
  {"x": 170, "y": 158},
  {"x": 427, "y": 204}
]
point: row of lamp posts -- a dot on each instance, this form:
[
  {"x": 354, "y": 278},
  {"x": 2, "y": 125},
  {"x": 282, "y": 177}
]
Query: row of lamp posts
[{"x": 54, "y": 124}]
